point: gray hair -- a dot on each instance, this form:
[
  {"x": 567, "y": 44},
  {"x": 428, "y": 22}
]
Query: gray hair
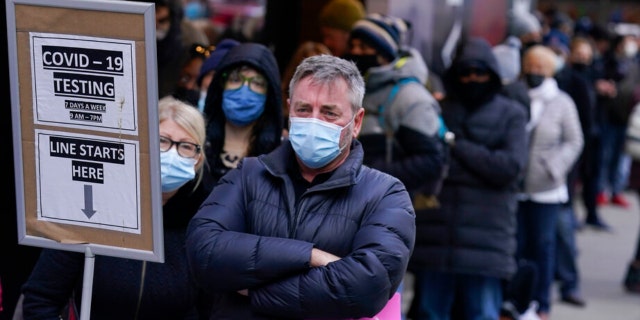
[{"x": 324, "y": 69}]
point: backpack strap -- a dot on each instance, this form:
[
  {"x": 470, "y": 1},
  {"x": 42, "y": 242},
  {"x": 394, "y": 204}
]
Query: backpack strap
[
  {"x": 391, "y": 96},
  {"x": 443, "y": 131},
  {"x": 381, "y": 109}
]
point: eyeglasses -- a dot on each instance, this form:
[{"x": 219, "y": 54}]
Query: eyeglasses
[
  {"x": 185, "y": 149},
  {"x": 235, "y": 80}
]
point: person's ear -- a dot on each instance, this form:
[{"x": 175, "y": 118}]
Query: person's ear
[{"x": 357, "y": 122}]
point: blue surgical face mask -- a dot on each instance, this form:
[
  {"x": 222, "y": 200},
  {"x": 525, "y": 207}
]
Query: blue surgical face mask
[
  {"x": 175, "y": 170},
  {"x": 315, "y": 142},
  {"x": 242, "y": 106}
]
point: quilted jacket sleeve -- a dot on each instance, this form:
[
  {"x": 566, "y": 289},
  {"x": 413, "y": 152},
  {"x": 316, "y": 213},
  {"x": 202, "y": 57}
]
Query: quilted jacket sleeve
[
  {"x": 223, "y": 256},
  {"x": 235, "y": 244},
  {"x": 359, "y": 284}
]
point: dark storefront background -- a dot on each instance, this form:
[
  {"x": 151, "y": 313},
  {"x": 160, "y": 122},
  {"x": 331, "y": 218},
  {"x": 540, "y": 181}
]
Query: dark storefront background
[{"x": 289, "y": 22}]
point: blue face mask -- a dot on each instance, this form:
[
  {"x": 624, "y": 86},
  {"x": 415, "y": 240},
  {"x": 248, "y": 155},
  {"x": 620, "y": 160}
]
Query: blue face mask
[
  {"x": 315, "y": 142},
  {"x": 175, "y": 170},
  {"x": 242, "y": 106}
]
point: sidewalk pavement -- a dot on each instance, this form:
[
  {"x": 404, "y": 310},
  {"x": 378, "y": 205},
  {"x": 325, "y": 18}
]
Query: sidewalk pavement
[{"x": 603, "y": 258}]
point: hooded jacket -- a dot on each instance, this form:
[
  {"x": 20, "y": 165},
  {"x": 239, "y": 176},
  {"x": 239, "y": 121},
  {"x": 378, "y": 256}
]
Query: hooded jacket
[
  {"x": 474, "y": 230},
  {"x": 411, "y": 116},
  {"x": 268, "y": 129},
  {"x": 251, "y": 234}
]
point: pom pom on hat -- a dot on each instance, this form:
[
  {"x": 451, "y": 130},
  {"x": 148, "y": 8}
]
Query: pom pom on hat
[
  {"x": 216, "y": 56},
  {"x": 341, "y": 14},
  {"x": 384, "y": 33},
  {"x": 523, "y": 22}
]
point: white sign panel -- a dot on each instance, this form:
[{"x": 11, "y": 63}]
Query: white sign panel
[
  {"x": 88, "y": 181},
  {"x": 84, "y": 82}
]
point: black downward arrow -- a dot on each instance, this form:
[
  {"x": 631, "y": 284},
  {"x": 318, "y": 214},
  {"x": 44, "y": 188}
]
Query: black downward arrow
[{"x": 88, "y": 201}]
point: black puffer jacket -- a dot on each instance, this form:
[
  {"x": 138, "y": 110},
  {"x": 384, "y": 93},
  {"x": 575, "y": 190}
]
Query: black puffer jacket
[
  {"x": 473, "y": 232},
  {"x": 251, "y": 234}
]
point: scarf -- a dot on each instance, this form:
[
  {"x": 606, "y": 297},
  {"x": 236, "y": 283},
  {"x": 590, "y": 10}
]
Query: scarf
[{"x": 544, "y": 92}]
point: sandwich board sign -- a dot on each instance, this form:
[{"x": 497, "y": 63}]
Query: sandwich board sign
[{"x": 85, "y": 126}]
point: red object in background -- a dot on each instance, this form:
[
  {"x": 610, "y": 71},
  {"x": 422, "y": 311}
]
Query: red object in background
[{"x": 488, "y": 19}]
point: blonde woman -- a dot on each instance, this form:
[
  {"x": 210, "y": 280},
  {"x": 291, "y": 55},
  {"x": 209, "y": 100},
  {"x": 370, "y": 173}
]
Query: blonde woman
[
  {"x": 139, "y": 289},
  {"x": 555, "y": 143}
]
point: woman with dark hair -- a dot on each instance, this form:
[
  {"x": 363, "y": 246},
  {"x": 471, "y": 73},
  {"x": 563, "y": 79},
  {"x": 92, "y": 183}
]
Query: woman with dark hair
[{"x": 244, "y": 107}]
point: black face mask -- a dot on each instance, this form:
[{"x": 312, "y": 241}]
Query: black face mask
[
  {"x": 475, "y": 93},
  {"x": 364, "y": 62},
  {"x": 579, "y": 66},
  {"x": 533, "y": 80}
]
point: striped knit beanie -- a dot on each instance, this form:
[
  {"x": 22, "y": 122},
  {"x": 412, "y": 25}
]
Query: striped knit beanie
[{"x": 384, "y": 33}]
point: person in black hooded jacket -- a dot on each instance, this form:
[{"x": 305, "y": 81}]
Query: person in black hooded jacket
[
  {"x": 243, "y": 107},
  {"x": 466, "y": 248}
]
